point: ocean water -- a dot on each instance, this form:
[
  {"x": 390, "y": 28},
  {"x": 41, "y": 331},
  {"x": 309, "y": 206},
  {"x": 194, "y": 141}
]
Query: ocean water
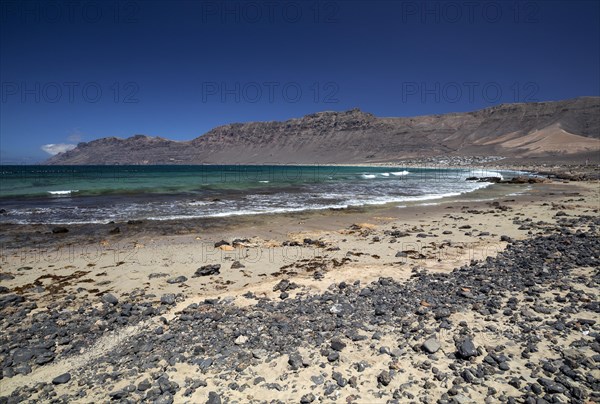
[{"x": 100, "y": 194}]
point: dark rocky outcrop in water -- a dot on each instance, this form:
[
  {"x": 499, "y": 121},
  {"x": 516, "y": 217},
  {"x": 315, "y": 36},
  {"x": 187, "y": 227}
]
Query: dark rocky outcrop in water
[{"x": 554, "y": 130}]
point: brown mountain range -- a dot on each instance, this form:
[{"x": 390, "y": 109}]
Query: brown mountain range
[{"x": 550, "y": 131}]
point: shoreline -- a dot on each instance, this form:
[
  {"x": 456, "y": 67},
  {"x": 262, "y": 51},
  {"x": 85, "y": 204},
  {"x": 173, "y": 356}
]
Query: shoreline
[{"x": 42, "y": 234}]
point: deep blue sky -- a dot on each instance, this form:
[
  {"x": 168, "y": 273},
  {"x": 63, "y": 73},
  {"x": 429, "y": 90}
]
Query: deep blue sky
[{"x": 187, "y": 66}]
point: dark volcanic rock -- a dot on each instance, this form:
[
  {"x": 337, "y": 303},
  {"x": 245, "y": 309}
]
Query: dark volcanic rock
[
  {"x": 178, "y": 279},
  {"x": 466, "y": 348},
  {"x": 168, "y": 299},
  {"x": 208, "y": 270},
  {"x": 110, "y": 299},
  {"x": 22, "y": 355},
  {"x": 213, "y": 398},
  {"x": 384, "y": 378},
  {"x": 58, "y": 230},
  {"x": 307, "y": 398},
  {"x": 295, "y": 361},
  {"x": 62, "y": 379},
  {"x": 431, "y": 346},
  {"x": 237, "y": 265},
  {"x": 490, "y": 179},
  {"x": 10, "y": 300},
  {"x": 337, "y": 345}
]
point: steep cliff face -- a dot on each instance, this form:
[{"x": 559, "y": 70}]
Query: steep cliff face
[{"x": 562, "y": 128}]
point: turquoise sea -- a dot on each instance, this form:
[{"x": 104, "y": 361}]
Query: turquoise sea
[{"x": 100, "y": 194}]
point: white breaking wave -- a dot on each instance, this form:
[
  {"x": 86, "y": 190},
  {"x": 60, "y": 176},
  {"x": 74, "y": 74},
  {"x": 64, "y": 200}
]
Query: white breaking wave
[
  {"x": 426, "y": 197},
  {"x": 199, "y": 203},
  {"x": 66, "y": 192},
  {"x": 385, "y": 174},
  {"x": 484, "y": 173},
  {"x": 248, "y": 212},
  {"x": 398, "y": 173},
  {"x": 264, "y": 182},
  {"x": 368, "y": 176}
]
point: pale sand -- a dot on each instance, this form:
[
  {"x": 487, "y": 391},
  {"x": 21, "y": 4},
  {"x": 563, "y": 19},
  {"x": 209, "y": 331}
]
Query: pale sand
[{"x": 124, "y": 266}]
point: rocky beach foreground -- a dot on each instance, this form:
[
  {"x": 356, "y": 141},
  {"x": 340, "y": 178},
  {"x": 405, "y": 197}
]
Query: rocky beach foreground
[{"x": 491, "y": 300}]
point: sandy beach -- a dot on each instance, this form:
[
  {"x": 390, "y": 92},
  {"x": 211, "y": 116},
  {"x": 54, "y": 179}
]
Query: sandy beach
[{"x": 346, "y": 306}]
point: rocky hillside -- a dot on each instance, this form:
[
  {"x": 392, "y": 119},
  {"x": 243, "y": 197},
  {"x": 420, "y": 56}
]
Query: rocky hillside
[{"x": 552, "y": 130}]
